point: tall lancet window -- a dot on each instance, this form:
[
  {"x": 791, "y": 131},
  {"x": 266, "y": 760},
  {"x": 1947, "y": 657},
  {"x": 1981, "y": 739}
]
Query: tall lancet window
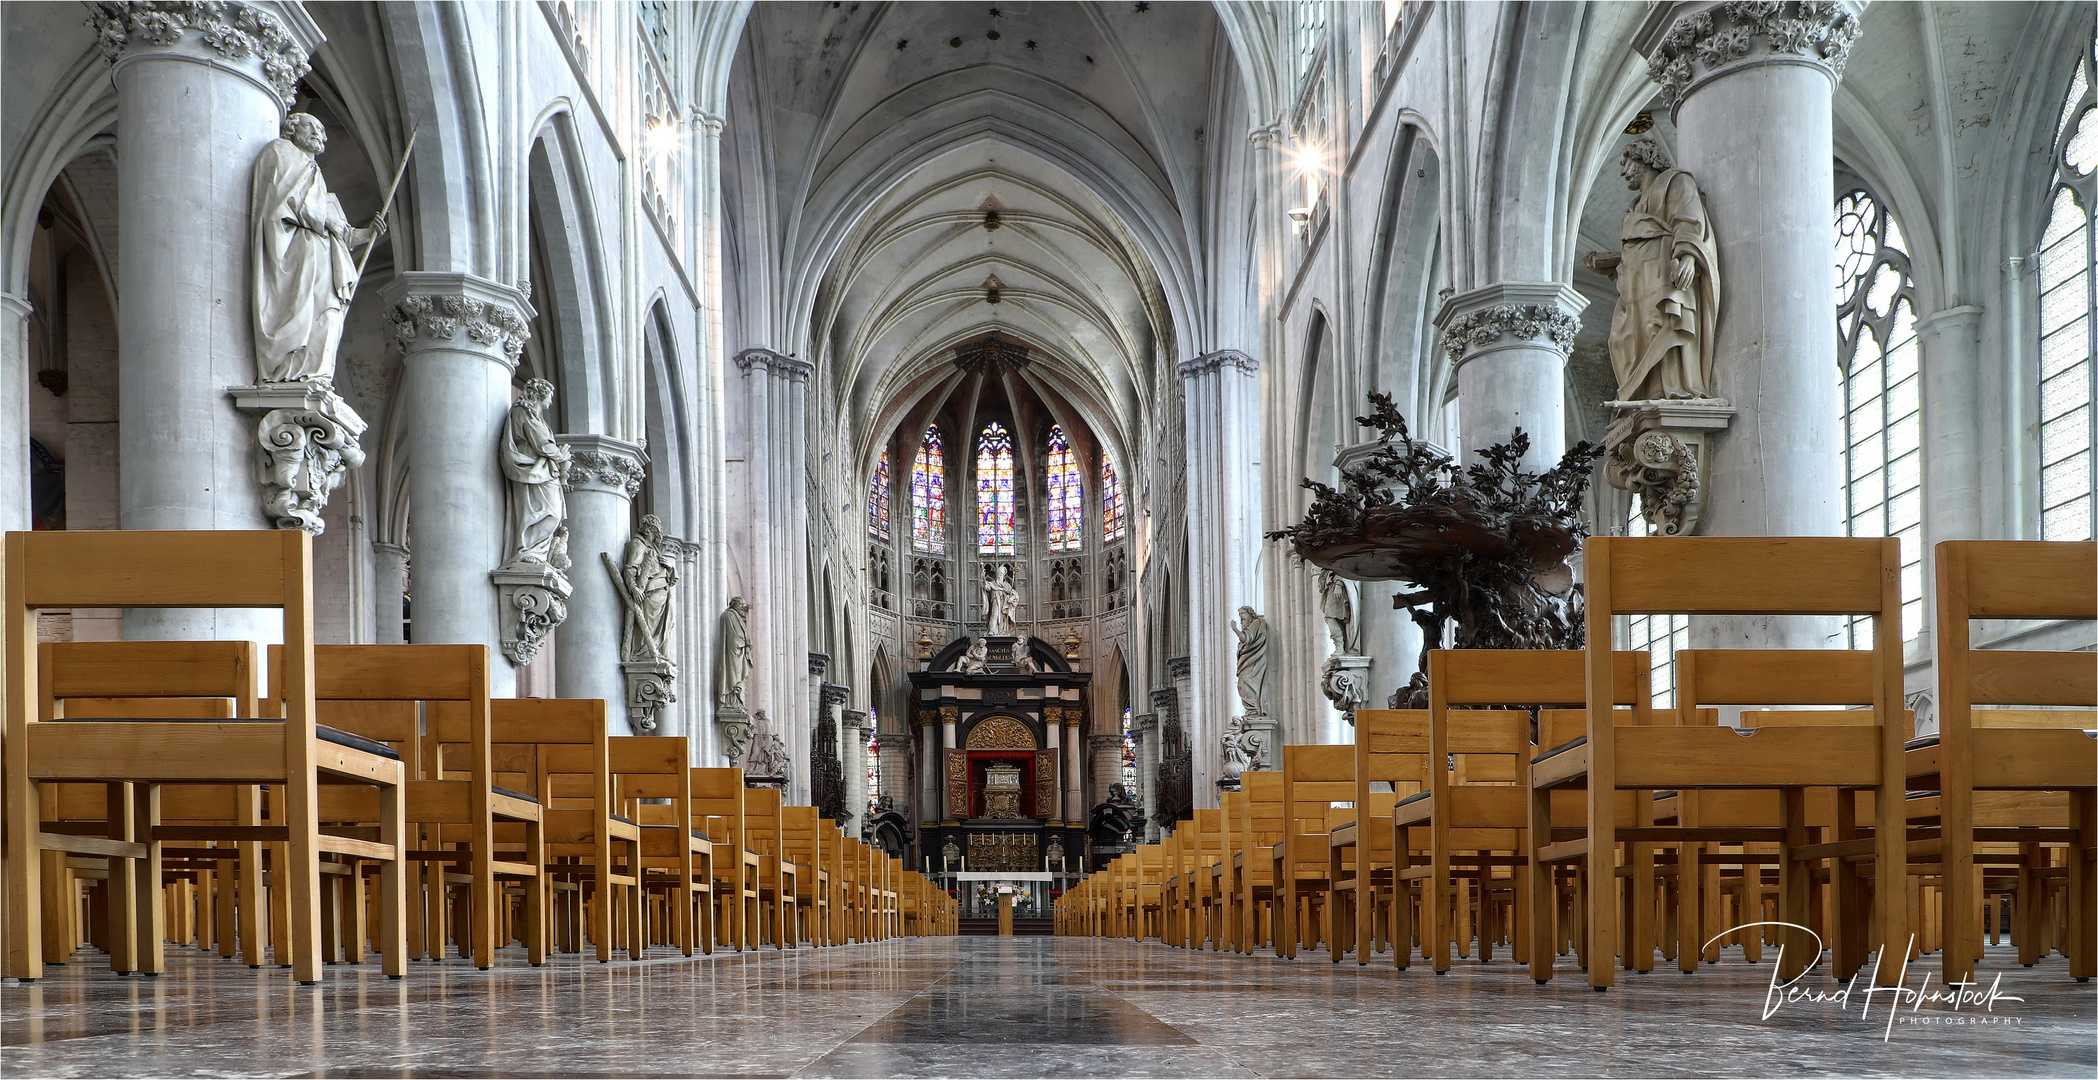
[
  {"x": 1066, "y": 495},
  {"x": 994, "y": 491},
  {"x": 878, "y": 499},
  {"x": 1882, "y": 420},
  {"x": 1114, "y": 523},
  {"x": 929, "y": 495},
  {"x": 2068, "y": 310}
]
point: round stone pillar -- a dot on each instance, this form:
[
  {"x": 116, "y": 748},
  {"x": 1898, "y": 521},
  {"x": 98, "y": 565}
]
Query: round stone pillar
[
  {"x": 460, "y": 337},
  {"x": 1508, "y": 343},
  {"x": 389, "y": 585},
  {"x": 14, "y": 413},
  {"x": 853, "y": 724},
  {"x": 604, "y": 475},
  {"x": 201, "y": 89},
  {"x": 1751, "y": 84}
]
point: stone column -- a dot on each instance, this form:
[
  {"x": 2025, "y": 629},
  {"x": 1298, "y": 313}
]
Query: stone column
[
  {"x": 460, "y": 337},
  {"x": 1145, "y": 726},
  {"x": 1224, "y": 542},
  {"x": 1754, "y": 83},
  {"x": 390, "y": 584},
  {"x": 200, "y": 90},
  {"x": 1107, "y": 769},
  {"x": 950, "y": 716},
  {"x": 931, "y": 807},
  {"x": 853, "y": 724},
  {"x": 1074, "y": 767},
  {"x": 604, "y": 475},
  {"x": 774, "y": 391},
  {"x": 1950, "y": 370},
  {"x": 1508, "y": 343},
  {"x": 1053, "y": 731},
  {"x": 14, "y": 413}
]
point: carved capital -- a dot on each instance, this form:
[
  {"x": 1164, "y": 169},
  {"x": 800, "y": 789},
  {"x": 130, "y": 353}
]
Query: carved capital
[
  {"x": 1180, "y": 667},
  {"x": 1687, "y": 45},
  {"x": 833, "y": 694},
  {"x": 602, "y": 463},
  {"x": 819, "y": 663},
  {"x": 1221, "y": 360},
  {"x": 1142, "y": 724},
  {"x": 305, "y": 446},
  {"x": 267, "y": 43},
  {"x": 1510, "y": 314},
  {"x": 431, "y": 310},
  {"x": 855, "y": 720},
  {"x": 778, "y": 365}
]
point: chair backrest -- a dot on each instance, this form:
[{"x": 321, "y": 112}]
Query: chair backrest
[
  {"x": 652, "y": 767},
  {"x": 1261, "y": 822},
  {"x": 144, "y": 679},
  {"x": 802, "y": 833},
  {"x": 1391, "y": 746},
  {"x": 1725, "y": 575},
  {"x": 761, "y": 818},
  {"x": 719, "y": 800},
  {"x": 1207, "y": 837},
  {"x": 1314, "y": 777},
  {"x": 2011, "y": 579},
  {"x": 568, "y": 746},
  {"x": 125, "y": 569},
  {"x": 450, "y": 682}
]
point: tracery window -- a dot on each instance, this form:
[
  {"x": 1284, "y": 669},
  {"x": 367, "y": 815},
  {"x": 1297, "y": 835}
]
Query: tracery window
[
  {"x": 1066, "y": 495},
  {"x": 1882, "y": 416},
  {"x": 1114, "y": 524},
  {"x": 1128, "y": 753},
  {"x": 1657, "y": 635},
  {"x": 878, "y": 499},
  {"x": 2068, "y": 311},
  {"x": 994, "y": 491},
  {"x": 929, "y": 495}
]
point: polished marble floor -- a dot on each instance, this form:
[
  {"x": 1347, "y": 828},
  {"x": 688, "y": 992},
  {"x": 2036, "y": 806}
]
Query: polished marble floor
[{"x": 1011, "y": 1007}]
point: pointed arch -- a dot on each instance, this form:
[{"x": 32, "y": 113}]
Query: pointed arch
[
  {"x": 995, "y": 501},
  {"x": 929, "y": 494}
]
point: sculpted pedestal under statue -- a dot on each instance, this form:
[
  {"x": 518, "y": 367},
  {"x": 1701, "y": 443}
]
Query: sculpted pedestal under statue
[
  {"x": 1661, "y": 339},
  {"x": 532, "y": 582}
]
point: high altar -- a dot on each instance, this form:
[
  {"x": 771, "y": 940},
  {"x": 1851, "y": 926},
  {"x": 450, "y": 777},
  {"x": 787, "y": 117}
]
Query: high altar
[{"x": 1003, "y": 735}]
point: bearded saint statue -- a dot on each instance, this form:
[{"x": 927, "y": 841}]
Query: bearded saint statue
[{"x": 1667, "y": 276}]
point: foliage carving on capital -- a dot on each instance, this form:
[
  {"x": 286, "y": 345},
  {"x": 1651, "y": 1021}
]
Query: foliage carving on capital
[
  {"x": 616, "y": 471},
  {"x": 235, "y": 31},
  {"x": 440, "y": 316},
  {"x": 1208, "y": 363},
  {"x": 780, "y": 365},
  {"x": 1698, "y": 45},
  {"x": 1529, "y": 322}
]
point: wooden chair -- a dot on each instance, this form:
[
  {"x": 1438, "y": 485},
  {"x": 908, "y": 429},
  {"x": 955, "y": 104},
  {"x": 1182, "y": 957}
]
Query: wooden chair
[
  {"x": 144, "y": 680},
  {"x": 778, "y": 877},
  {"x": 559, "y": 751},
  {"x": 1489, "y": 819},
  {"x": 268, "y": 569},
  {"x": 652, "y": 780},
  {"x": 802, "y": 844},
  {"x": 1223, "y": 877},
  {"x": 1256, "y": 831},
  {"x": 1390, "y": 748},
  {"x": 1980, "y": 751},
  {"x": 719, "y": 801},
  {"x": 1313, "y": 779},
  {"x": 456, "y": 802},
  {"x": 1734, "y": 576}
]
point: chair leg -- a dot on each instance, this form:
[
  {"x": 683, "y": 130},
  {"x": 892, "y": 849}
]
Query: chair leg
[
  {"x": 2082, "y": 885},
  {"x": 151, "y": 900}
]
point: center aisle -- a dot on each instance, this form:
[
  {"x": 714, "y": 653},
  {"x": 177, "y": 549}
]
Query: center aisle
[{"x": 1004, "y": 1007}]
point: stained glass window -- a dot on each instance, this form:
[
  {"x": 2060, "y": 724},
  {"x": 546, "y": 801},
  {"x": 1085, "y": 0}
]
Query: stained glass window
[
  {"x": 1066, "y": 495},
  {"x": 878, "y": 499},
  {"x": 2068, "y": 310},
  {"x": 1657, "y": 635},
  {"x": 994, "y": 491},
  {"x": 1882, "y": 418},
  {"x": 1114, "y": 524},
  {"x": 929, "y": 495}
]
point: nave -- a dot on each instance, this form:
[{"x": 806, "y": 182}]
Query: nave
[{"x": 1005, "y": 1007}]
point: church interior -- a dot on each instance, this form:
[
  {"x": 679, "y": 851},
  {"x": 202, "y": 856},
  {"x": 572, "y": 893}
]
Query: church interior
[{"x": 1048, "y": 537}]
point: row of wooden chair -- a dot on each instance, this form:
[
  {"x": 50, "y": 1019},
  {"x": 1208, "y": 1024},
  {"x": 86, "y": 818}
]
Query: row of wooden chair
[
  {"x": 371, "y": 798},
  {"x": 1473, "y": 820}
]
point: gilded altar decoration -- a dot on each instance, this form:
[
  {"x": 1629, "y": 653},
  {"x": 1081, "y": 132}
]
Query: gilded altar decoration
[
  {"x": 1045, "y": 784},
  {"x": 957, "y": 784},
  {"x": 1007, "y": 853},
  {"x": 1001, "y": 791},
  {"x": 1001, "y": 733}
]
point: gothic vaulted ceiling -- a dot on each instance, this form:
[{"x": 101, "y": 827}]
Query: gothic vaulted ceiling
[{"x": 908, "y": 160}]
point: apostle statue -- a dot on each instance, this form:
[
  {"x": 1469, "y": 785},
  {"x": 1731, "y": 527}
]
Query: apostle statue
[
  {"x": 1252, "y": 633},
  {"x": 1001, "y": 601},
  {"x": 734, "y": 681},
  {"x": 645, "y": 576},
  {"x": 1667, "y": 274},
  {"x": 304, "y": 274},
  {"x": 1339, "y": 611},
  {"x": 535, "y": 535}
]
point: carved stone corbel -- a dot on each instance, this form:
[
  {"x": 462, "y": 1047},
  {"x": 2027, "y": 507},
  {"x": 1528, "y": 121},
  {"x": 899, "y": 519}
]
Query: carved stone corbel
[
  {"x": 1345, "y": 680},
  {"x": 534, "y": 600},
  {"x": 1658, "y": 451},
  {"x": 306, "y": 445},
  {"x": 650, "y": 685}
]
